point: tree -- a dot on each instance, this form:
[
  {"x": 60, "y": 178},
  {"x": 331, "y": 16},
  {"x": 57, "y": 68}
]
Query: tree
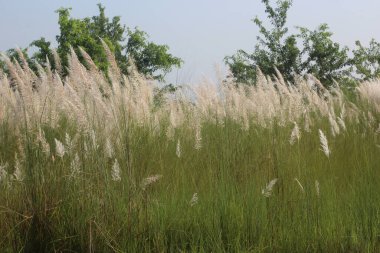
[
  {"x": 319, "y": 54},
  {"x": 367, "y": 60},
  {"x": 43, "y": 52},
  {"x": 151, "y": 59},
  {"x": 84, "y": 33},
  {"x": 242, "y": 67},
  {"x": 325, "y": 59},
  {"x": 274, "y": 49}
]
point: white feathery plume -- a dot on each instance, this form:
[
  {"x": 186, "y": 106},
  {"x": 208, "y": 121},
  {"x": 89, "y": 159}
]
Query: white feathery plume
[
  {"x": 334, "y": 125},
  {"x": 113, "y": 71},
  {"x": 343, "y": 111},
  {"x": 69, "y": 143},
  {"x": 194, "y": 199},
  {"x": 172, "y": 116},
  {"x": 198, "y": 137},
  {"x": 342, "y": 124},
  {"x": 85, "y": 147},
  {"x": 317, "y": 188},
  {"x": 170, "y": 132},
  {"x": 93, "y": 139},
  {"x": 109, "y": 148},
  {"x": 299, "y": 184},
  {"x": 324, "y": 143},
  {"x": 116, "y": 171},
  {"x": 75, "y": 166},
  {"x": 178, "y": 149},
  {"x": 59, "y": 148},
  {"x": 57, "y": 61},
  {"x": 150, "y": 180},
  {"x": 296, "y": 134},
  {"x": 245, "y": 121},
  {"x": 307, "y": 123},
  {"x": 45, "y": 145},
  {"x": 267, "y": 191}
]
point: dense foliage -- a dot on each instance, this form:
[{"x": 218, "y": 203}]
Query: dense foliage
[
  {"x": 318, "y": 54},
  {"x": 151, "y": 59}
]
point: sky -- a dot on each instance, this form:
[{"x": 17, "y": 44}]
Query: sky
[{"x": 201, "y": 32}]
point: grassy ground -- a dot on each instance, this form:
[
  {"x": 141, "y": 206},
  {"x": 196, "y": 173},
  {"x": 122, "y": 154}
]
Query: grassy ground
[{"x": 180, "y": 179}]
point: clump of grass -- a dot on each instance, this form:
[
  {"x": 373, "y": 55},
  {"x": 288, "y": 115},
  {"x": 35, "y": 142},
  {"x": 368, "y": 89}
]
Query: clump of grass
[{"x": 89, "y": 164}]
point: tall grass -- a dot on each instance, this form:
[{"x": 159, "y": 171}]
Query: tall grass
[{"x": 92, "y": 164}]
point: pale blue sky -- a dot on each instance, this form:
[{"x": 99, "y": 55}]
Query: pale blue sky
[{"x": 201, "y": 32}]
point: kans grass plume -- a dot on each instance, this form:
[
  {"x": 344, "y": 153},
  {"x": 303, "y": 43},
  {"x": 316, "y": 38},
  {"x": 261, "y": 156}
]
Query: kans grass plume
[
  {"x": 115, "y": 173},
  {"x": 194, "y": 199},
  {"x": 324, "y": 143},
  {"x": 295, "y": 135},
  {"x": 59, "y": 148},
  {"x": 267, "y": 191},
  {"x": 178, "y": 151},
  {"x": 150, "y": 180}
]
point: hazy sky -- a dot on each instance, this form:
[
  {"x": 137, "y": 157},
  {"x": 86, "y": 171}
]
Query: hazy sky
[{"x": 201, "y": 32}]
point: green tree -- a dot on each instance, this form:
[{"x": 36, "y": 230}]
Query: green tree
[
  {"x": 325, "y": 59},
  {"x": 43, "y": 53},
  {"x": 242, "y": 67},
  {"x": 274, "y": 48},
  {"x": 367, "y": 60},
  {"x": 318, "y": 54},
  {"x": 150, "y": 59},
  {"x": 80, "y": 33}
]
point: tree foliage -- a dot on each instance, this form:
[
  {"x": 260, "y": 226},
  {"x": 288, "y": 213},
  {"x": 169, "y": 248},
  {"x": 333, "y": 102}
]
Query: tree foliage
[
  {"x": 325, "y": 59},
  {"x": 318, "y": 54},
  {"x": 367, "y": 60},
  {"x": 43, "y": 53},
  {"x": 274, "y": 48},
  {"x": 151, "y": 59}
]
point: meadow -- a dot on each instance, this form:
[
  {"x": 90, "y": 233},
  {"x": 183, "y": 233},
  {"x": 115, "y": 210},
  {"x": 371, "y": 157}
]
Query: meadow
[{"x": 98, "y": 163}]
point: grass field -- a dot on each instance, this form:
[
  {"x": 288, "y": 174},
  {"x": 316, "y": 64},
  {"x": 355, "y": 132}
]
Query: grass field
[{"x": 87, "y": 166}]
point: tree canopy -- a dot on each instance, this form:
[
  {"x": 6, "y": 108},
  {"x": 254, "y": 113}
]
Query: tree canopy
[
  {"x": 367, "y": 60},
  {"x": 88, "y": 33},
  {"x": 306, "y": 52}
]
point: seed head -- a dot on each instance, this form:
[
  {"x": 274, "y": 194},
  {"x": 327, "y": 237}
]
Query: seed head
[
  {"x": 267, "y": 191},
  {"x": 194, "y": 200},
  {"x": 317, "y": 188},
  {"x": 178, "y": 149},
  {"x": 75, "y": 166},
  {"x": 324, "y": 143},
  {"x": 150, "y": 180},
  {"x": 116, "y": 171},
  {"x": 59, "y": 148},
  {"x": 299, "y": 184},
  {"x": 296, "y": 135}
]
